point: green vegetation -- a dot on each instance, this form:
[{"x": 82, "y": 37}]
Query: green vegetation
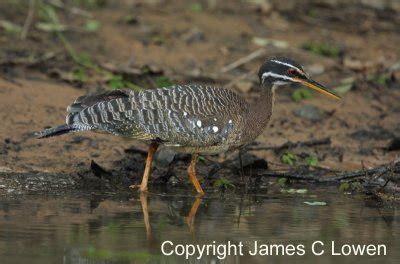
[
  {"x": 158, "y": 40},
  {"x": 350, "y": 186},
  {"x": 85, "y": 68},
  {"x": 10, "y": 27},
  {"x": 201, "y": 159},
  {"x": 79, "y": 74},
  {"x": 50, "y": 22},
  {"x": 223, "y": 184},
  {"x": 163, "y": 81},
  {"x": 92, "y": 25},
  {"x": 301, "y": 94},
  {"x": 312, "y": 13},
  {"x": 282, "y": 182},
  {"x": 288, "y": 158},
  {"x": 196, "y": 7},
  {"x": 311, "y": 161},
  {"x": 90, "y": 3},
  {"x": 322, "y": 49},
  {"x": 292, "y": 159},
  {"x": 85, "y": 60},
  {"x": 381, "y": 79},
  {"x": 118, "y": 82}
]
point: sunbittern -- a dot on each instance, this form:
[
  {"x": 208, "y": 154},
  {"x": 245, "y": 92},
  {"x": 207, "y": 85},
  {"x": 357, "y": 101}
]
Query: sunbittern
[{"x": 192, "y": 118}]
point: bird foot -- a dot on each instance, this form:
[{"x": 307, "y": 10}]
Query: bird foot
[{"x": 138, "y": 186}]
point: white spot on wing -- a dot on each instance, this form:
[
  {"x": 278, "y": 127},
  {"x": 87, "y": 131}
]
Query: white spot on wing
[
  {"x": 215, "y": 129},
  {"x": 184, "y": 114},
  {"x": 215, "y": 119},
  {"x": 230, "y": 121},
  {"x": 198, "y": 123}
]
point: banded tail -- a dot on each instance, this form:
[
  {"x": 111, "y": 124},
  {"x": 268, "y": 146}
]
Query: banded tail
[
  {"x": 80, "y": 109},
  {"x": 56, "y": 131}
]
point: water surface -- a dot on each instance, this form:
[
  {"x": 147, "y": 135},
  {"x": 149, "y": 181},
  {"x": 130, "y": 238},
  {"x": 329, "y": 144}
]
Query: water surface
[{"x": 129, "y": 228}]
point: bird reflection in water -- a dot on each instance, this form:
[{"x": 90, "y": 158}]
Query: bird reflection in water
[{"x": 190, "y": 219}]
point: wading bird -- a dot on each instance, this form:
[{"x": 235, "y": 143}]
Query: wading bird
[{"x": 191, "y": 118}]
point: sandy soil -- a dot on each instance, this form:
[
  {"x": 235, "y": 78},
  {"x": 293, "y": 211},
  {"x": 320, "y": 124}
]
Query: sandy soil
[{"x": 360, "y": 126}]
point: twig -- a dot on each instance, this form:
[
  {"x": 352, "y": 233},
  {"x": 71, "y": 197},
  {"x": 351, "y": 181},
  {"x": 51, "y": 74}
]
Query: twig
[
  {"x": 29, "y": 19},
  {"x": 135, "y": 150},
  {"x": 213, "y": 78},
  {"x": 339, "y": 177},
  {"x": 287, "y": 175},
  {"x": 244, "y": 60},
  {"x": 289, "y": 145},
  {"x": 237, "y": 79},
  {"x": 135, "y": 71},
  {"x": 74, "y": 10},
  {"x": 28, "y": 61},
  {"x": 152, "y": 83}
]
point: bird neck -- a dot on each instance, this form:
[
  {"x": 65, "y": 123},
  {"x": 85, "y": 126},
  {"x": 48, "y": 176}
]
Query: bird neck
[{"x": 260, "y": 111}]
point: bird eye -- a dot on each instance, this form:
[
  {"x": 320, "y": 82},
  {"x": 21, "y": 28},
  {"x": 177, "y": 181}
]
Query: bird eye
[{"x": 292, "y": 72}]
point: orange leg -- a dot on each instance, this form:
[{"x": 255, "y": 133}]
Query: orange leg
[
  {"x": 192, "y": 214},
  {"x": 145, "y": 179},
  {"x": 192, "y": 174},
  {"x": 145, "y": 210}
]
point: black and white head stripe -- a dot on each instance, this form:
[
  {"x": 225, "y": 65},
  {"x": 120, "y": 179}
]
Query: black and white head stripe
[
  {"x": 281, "y": 70},
  {"x": 288, "y": 65},
  {"x": 275, "y": 76}
]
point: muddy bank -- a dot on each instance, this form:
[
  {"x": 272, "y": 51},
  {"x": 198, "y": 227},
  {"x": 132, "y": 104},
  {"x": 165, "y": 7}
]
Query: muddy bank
[
  {"x": 13, "y": 183},
  {"x": 115, "y": 45}
]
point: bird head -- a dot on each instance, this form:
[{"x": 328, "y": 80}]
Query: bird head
[{"x": 281, "y": 71}]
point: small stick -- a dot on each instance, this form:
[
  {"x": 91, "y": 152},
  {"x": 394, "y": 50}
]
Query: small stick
[
  {"x": 244, "y": 60},
  {"x": 288, "y": 145},
  {"x": 28, "y": 20},
  {"x": 241, "y": 77},
  {"x": 29, "y": 61},
  {"x": 121, "y": 70},
  {"x": 339, "y": 177},
  {"x": 213, "y": 78}
]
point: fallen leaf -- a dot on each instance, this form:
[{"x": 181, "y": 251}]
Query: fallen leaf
[
  {"x": 5, "y": 169},
  {"x": 353, "y": 64},
  {"x": 92, "y": 25},
  {"x": 50, "y": 27},
  {"x": 266, "y": 41},
  {"x": 294, "y": 191},
  {"x": 343, "y": 88},
  {"x": 243, "y": 86},
  {"x": 10, "y": 27},
  {"x": 316, "y": 203}
]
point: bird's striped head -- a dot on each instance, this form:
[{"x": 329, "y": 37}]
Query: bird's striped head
[{"x": 281, "y": 71}]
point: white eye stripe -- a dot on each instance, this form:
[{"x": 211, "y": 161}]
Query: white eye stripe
[
  {"x": 266, "y": 74},
  {"x": 288, "y": 65}
]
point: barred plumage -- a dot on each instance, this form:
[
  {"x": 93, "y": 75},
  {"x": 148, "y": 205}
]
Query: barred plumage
[
  {"x": 193, "y": 118},
  {"x": 189, "y": 116}
]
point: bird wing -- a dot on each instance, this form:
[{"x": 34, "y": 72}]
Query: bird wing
[{"x": 188, "y": 115}]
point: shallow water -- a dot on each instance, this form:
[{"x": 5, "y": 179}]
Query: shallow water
[{"x": 83, "y": 228}]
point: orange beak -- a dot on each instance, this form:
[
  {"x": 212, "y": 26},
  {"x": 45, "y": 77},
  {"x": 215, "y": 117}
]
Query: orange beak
[{"x": 318, "y": 87}]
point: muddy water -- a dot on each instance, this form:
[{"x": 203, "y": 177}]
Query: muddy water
[{"x": 124, "y": 228}]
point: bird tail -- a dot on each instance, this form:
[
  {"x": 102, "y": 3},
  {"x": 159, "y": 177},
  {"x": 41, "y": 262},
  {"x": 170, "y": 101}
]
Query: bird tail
[
  {"x": 57, "y": 131},
  {"x": 84, "y": 113}
]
